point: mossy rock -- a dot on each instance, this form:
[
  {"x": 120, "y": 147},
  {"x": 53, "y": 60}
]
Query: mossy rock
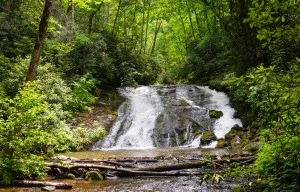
[
  {"x": 215, "y": 114},
  {"x": 65, "y": 176},
  {"x": 208, "y": 137},
  {"x": 222, "y": 143},
  {"x": 231, "y": 134},
  {"x": 253, "y": 146},
  {"x": 93, "y": 175},
  {"x": 197, "y": 132},
  {"x": 184, "y": 103}
]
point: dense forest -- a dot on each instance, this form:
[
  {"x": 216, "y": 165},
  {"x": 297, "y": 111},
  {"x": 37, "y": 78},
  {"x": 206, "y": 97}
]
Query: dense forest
[{"x": 57, "y": 55}]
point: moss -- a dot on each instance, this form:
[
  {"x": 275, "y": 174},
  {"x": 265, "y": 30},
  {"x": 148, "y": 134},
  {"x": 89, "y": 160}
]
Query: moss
[
  {"x": 184, "y": 103},
  {"x": 93, "y": 175},
  {"x": 207, "y": 138},
  {"x": 65, "y": 176},
  {"x": 231, "y": 134},
  {"x": 160, "y": 118},
  {"x": 197, "y": 132},
  {"x": 221, "y": 143},
  {"x": 207, "y": 135},
  {"x": 215, "y": 114}
]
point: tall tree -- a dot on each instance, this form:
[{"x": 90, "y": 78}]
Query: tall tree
[{"x": 39, "y": 41}]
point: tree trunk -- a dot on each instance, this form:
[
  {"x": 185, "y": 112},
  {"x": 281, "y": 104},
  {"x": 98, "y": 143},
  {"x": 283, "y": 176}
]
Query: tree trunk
[
  {"x": 125, "y": 35},
  {"x": 147, "y": 27},
  {"x": 8, "y": 9},
  {"x": 157, "y": 27},
  {"x": 191, "y": 20},
  {"x": 91, "y": 17},
  {"x": 142, "y": 32},
  {"x": 116, "y": 18},
  {"x": 36, "y": 54}
]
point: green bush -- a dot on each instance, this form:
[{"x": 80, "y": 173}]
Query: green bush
[
  {"x": 274, "y": 94},
  {"x": 85, "y": 136},
  {"x": 82, "y": 99},
  {"x": 30, "y": 130}
]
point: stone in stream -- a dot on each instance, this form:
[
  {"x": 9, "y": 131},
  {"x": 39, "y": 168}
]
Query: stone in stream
[
  {"x": 215, "y": 114},
  {"x": 208, "y": 137},
  {"x": 48, "y": 188},
  {"x": 93, "y": 175}
]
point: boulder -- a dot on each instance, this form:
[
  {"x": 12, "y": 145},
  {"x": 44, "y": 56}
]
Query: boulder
[
  {"x": 48, "y": 188},
  {"x": 222, "y": 143},
  {"x": 215, "y": 114},
  {"x": 93, "y": 175},
  {"x": 65, "y": 176},
  {"x": 207, "y": 138}
]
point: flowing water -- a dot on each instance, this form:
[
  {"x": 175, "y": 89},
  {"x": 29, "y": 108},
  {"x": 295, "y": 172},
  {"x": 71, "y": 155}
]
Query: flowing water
[
  {"x": 160, "y": 121},
  {"x": 168, "y": 116}
]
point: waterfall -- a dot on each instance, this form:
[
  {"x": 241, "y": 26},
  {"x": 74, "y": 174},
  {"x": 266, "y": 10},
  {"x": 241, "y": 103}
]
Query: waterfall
[
  {"x": 137, "y": 122},
  {"x": 166, "y": 116}
]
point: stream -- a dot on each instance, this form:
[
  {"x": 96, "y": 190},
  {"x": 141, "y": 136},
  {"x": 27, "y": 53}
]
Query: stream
[{"x": 160, "y": 121}]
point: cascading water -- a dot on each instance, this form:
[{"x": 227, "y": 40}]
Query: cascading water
[
  {"x": 136, "y": 119},
  {"x": 167, "y": 116}
]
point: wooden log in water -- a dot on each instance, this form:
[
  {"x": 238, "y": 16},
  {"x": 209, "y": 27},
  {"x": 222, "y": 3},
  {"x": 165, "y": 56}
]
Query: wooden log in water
[
  {"x": 155, "y": 170},
  {"x": 27, "y": 183}
]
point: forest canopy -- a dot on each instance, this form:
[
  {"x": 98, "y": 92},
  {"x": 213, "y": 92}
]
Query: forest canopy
[{"x": 250, "y": 49}]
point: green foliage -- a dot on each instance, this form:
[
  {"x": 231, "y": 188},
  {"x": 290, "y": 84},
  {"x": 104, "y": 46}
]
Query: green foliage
[
  {"x": 211, "y": 178},
  {"x": 20, "y": 166},
  {"x": 14, "y": 72},
  {"x": 129, "y": 74},
  {"x": 90, "y": 55},
  {"x": 81, "y": 96},
  {"x": 85, "y": 136},
  {"x": 274, "y": 94},
  {"x": 28, "y": 130}
]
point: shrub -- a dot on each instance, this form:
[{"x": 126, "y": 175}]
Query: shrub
[
  {"x": 274, "y": 94},
  {"x": 29, "y": 131},
  {"x": 81, "y": 96}
]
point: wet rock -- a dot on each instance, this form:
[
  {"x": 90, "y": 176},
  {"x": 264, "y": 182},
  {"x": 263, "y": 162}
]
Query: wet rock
[
  {"x": 207, "y": 138},
  {"x": 215, "y": 114},
  {"x": 48, "y": 188},
  {"x": 93, "y": 175},
  {"x": 65, "y": 176},
  {"x": 63, "y": 158}
]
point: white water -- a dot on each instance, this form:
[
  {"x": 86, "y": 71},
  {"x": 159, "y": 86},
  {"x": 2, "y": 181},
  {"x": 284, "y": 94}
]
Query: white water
[
  {"x": 220, "y": 101},
  {"x": 139, "y": 121},
  {"x": 134, "y": 128}
]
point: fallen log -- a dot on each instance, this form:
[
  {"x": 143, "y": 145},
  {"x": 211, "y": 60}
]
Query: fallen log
[
  {"x": 115, "y": 168},
  {"x": 133, "y": 161},
  {"x": 179, "y": 166},
  {"x": 156, "y": 170},
  {"x": 27, "y": 183}
]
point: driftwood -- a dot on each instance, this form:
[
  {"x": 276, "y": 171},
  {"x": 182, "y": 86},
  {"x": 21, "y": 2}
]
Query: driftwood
[
  {"x": 151, "y": 171},
  {"x": 170, "y": 169},
  {"x": 27, "y": 183}
]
